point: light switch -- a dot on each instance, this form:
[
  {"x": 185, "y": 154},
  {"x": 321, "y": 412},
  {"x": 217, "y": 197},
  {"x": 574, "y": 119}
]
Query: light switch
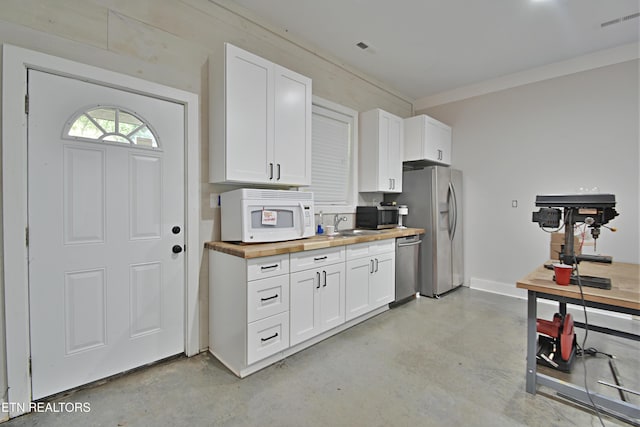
[{"x": 514, "y": 203}]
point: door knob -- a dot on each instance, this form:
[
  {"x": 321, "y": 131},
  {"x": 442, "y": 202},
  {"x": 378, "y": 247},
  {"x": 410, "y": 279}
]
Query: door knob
[
  {"x": 175, "y": 230},
  {"x": 176, "y": 249}
]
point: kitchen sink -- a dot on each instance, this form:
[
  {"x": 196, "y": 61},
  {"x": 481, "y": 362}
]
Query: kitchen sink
[{"x": 359, "y": 232}]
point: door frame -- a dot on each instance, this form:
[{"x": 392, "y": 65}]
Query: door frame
[{"x": 15, "y": 62}]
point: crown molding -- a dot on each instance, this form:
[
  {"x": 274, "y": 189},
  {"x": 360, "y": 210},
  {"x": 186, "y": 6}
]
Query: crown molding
[{"x": 601, "y": 58}]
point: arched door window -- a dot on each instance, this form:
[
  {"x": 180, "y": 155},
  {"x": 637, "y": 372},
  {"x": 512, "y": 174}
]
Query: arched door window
[{"x": 111, "y": 124}]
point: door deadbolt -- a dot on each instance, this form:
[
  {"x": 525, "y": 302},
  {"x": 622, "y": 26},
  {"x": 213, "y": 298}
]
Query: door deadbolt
[{"x": 175, "y": 230}]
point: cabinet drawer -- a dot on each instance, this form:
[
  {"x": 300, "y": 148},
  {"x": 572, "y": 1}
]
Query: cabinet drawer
[
  {"x": 267, "y": 336},
  {"x": 260, "y": 268},
  {"x": 267, "y": 297},
  {"x": 317, "y": 258},
  {"x": 382, "y": 246},
  {"x": 360, "y": 250}
]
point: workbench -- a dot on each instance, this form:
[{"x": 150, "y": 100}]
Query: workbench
[{"x": 623, "y": 297}]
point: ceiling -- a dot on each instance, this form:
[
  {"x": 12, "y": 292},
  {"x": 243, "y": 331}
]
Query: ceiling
[{"x": 424, "y": 47}]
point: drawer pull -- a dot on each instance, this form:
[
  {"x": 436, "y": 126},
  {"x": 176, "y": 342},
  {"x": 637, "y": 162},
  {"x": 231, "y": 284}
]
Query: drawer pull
[
  {"x": 269, "y": 338},
  {"x": 268, "y": 298},
  {"x": 267, "y": 267},
  {"x": 320, "y": 258}
]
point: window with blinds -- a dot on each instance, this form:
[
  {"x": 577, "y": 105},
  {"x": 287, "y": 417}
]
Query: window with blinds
[{"x": 333, "y": 150}]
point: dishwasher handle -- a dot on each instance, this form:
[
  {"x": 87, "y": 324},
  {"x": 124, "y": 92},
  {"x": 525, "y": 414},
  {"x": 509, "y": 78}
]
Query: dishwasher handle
[{"x": 402, "y": 245}]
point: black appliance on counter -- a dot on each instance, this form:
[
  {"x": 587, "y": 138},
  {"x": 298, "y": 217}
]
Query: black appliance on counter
[{"x": 377, "y": 217}]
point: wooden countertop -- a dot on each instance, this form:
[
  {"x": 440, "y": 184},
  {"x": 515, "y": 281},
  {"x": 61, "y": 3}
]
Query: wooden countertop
[
  {"x": 625, "y": 284},
  {"x": 256, "y": 250}
]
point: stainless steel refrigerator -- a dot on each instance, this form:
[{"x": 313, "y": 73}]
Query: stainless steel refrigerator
[{"x": 434, "y": 198}]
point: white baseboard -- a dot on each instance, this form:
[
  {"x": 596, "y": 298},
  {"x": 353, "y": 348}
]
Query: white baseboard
[{"x": 507, "y": 289}]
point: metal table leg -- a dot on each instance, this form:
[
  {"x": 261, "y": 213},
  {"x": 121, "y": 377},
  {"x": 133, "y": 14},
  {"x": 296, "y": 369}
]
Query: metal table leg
[
  {"x": 531, "y": 341},
  {"x": 563, "y": 308}
]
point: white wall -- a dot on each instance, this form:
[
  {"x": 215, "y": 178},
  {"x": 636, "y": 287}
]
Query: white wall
[{"x": 549, "y": 137}]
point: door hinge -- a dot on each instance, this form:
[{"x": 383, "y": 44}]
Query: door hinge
[
  {"x": 26, "y": 236},
  {"x": 30, "y": 366},
  {"x": 26, "y": 104}
]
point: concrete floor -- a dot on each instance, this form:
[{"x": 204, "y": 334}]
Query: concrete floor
[{"x": 457, "y": 361}]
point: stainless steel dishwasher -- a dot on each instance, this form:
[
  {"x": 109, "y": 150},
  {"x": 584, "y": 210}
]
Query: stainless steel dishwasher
[{"x": 407, "y": 265}]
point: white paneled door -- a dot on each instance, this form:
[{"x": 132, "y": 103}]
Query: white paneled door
[{"x": 106, "y": 231}]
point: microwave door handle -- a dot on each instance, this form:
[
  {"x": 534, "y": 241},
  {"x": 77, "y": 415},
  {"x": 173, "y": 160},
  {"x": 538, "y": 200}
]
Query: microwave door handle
[{"x": 301, "y": 219}]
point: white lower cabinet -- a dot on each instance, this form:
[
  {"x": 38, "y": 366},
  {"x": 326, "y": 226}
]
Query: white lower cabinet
[
  {"x": 317, "y": 288},
  {"x": 382, "y": 289},
  {"x": 357, "y": 292},
  {"x": 266, "y": 297},
  {"x": 370, "y": 277},
  {"x": 248, "y": 308},
  {"x": 267, "y": 336},
  {"x": 264, "y": 309},
  {"x": 317, "y": 301}
]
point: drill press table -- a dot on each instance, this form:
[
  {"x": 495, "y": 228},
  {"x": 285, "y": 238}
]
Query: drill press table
[{"x": 623, "y": 297}]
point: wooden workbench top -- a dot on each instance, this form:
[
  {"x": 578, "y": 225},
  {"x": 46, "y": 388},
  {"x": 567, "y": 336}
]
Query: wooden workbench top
[
  {"x": 625, "y": 284},
  {"x": 256, "y": 250}
]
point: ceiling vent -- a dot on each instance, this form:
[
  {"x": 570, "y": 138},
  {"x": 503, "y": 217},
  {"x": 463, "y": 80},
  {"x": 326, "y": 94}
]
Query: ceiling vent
[
  {"x": 362, "y": 45},
  {"x": 621, "y": 19}
]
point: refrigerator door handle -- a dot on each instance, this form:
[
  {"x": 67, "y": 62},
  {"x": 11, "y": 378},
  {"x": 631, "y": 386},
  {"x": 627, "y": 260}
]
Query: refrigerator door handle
[{"x": 453, "y": 225}]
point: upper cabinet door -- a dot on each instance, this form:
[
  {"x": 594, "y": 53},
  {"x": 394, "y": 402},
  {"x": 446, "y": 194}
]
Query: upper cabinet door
[
  {"x": 382, "y": 147},
  {"x": 292, "y": 141},
  {"x": 249, "y": 118},
  {"x": 427, "y": 139},
  {"x": 260, "y": 121},
  {"x": 395, "y": 152},
  {"x": 380, "y": 152}
]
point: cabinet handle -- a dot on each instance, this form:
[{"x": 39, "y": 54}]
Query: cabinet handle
[
  {"x": 270, "y": 170},
  {"x": 376, "y": 265},
  {"x": 371, "y": 261},
  {"x": 324, "y": 273},
  {"x": 268, "y": 267},
  {"x": 390, "y": 183},
  {"x": 278, "y": 178},
  {"x": 318, "y": 274},
  {"x": 320, "y": 258},
  {"x": 269, "y": 298},
  {"x": 269, "y": 338}
]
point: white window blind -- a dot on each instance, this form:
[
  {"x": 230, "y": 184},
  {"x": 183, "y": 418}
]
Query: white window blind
[{"x": 332, "y": 157}]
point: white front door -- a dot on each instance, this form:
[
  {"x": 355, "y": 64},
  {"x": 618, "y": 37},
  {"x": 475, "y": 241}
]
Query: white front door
[{"x": 106, "y": 290}]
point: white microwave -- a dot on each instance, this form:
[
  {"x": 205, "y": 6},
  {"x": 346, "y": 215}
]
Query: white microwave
[{"x": 250, "y": 215}]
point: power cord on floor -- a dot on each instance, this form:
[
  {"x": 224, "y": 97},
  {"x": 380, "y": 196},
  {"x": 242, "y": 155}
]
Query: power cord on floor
[
  {"x": 584, "y": 343},
  {"x": 591, "y": 351}
]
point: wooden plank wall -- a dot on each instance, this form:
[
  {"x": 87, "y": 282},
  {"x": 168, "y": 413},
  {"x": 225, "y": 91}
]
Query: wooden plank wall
[{"x": 171, "y": 42}]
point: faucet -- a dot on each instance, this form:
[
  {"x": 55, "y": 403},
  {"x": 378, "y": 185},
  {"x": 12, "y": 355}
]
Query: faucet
[{"x": 337, "y": 219}]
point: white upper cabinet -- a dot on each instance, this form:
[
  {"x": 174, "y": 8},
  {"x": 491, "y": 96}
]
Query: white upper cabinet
[
  {"x": 292, "y": 118},
  {"x": 261, "y": 121},
  {"x": 380, "y": 152},
  {"x": 427, "y": 139}
]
